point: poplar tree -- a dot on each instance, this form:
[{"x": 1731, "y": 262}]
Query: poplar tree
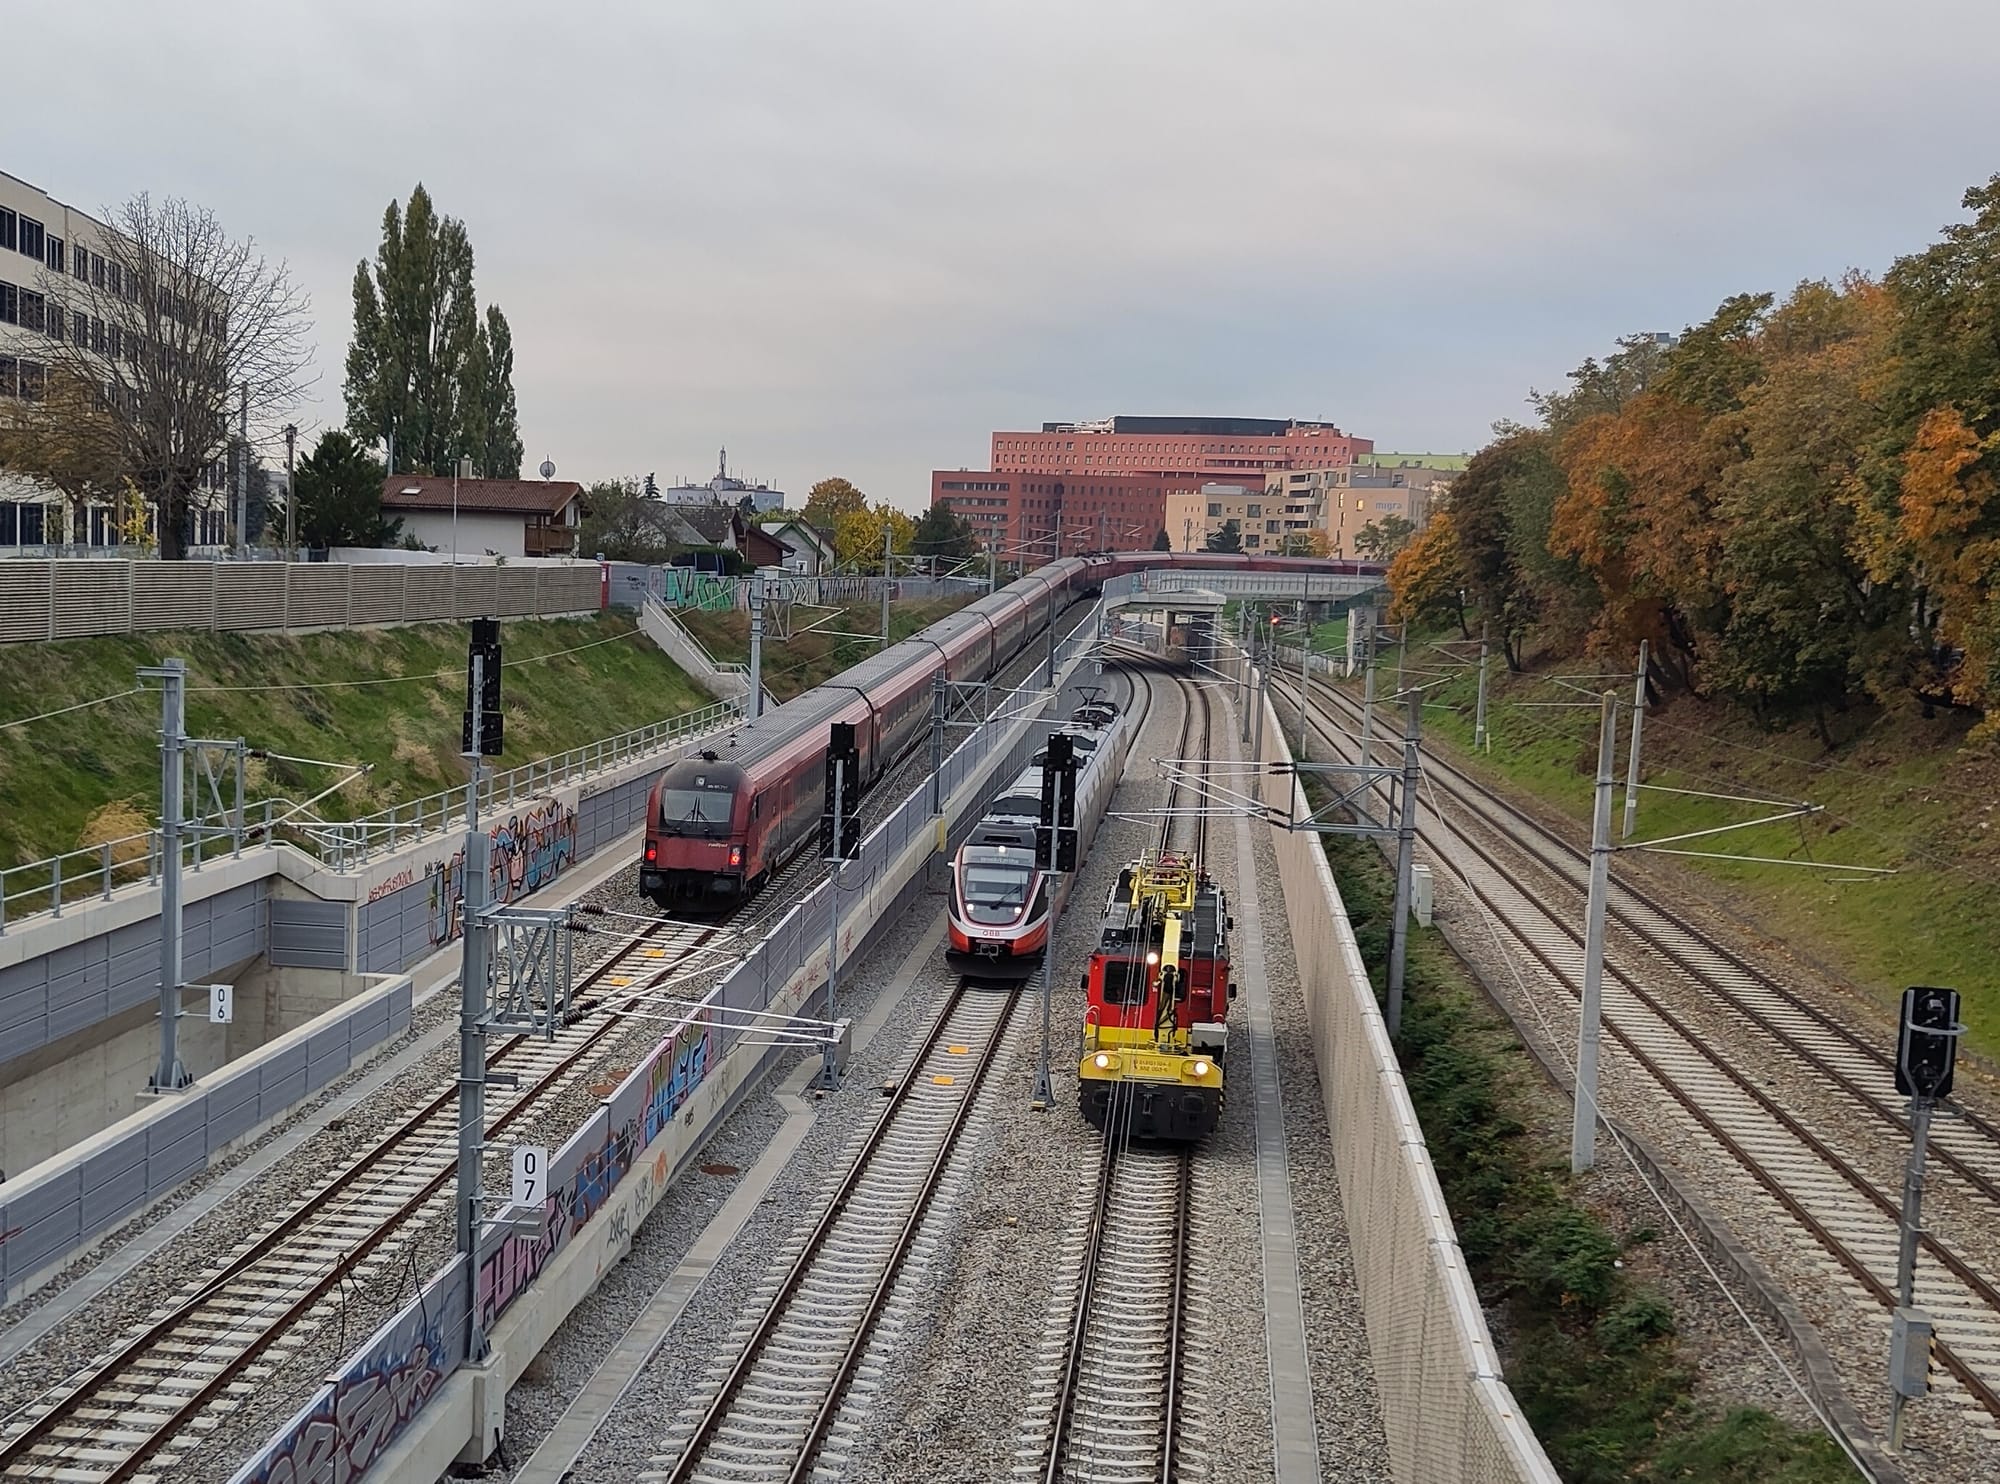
[{"x": 422, "y": 367}]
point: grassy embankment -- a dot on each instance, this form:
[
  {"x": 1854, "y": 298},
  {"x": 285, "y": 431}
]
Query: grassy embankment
[
  {"x": 809, "y": 659},
  {"x": 1897, "y": 790},
  {"x": 1589, "y": 1346},
  {"x": 94, "y": 774}
]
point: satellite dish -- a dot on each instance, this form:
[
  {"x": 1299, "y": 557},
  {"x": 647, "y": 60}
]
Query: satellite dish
[{"x": 548, "y": 468}]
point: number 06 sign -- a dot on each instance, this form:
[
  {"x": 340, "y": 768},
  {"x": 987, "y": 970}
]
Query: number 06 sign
[{"x": 531, "y": 1175}]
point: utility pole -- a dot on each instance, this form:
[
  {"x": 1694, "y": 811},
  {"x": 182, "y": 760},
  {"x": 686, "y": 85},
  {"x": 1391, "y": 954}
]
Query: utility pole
[
  {"x": 1638, "y": 724},
  {"x": 170, "y": 1075},
  {"x": 1305, "y": 678},
  {"x": 1044, "y": 1083},
  {"x": 1583, "y": 1129},
  {"x": 1368, "y": 694},
  {"x": 755, "y": 700},
  {"x": 1406, "y": 845},
  {"x": 475, "y": 974},
  {"x": 1263, "y": 693},
  {"x": 940, "y": 697},
  {"x": 888, "y": 560},
  {"x": 992, "y": 567},
  {"x": 1479, "y": 742},
  {"x": 243, "y": 472},
  {"x": 1247, "y": 661},
  {"x": 291, "y": 494},
  {"x": 842, "y": 765}
]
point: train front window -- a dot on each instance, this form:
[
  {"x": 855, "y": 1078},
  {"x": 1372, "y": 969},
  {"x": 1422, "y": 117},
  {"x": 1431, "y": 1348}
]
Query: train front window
[
  {"x": 1125, "y": 982},
  {"x": 995, "y": 893},
  {"x": 699, "y": 812}
]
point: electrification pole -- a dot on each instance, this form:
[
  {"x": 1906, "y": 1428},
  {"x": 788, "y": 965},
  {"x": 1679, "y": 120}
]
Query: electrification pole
[
  {"x": 1368, "y": 695},
  {"x": 1305, "y": 678},
  {"x": 243, "y": 472},
  {"x": 1044, "y": 1083},
  {"x": 755, "y": 700},
  {"x": 1479, "y": 742},
  {"x": 1406, "y": 845},
  {"x": 170, "y": 1075},
  {"x": 888, "y": 557},
  {"x": 291, "y": 494},
  {"x": 1638, "y": 723},
  {"x": 1583, "y": 1129},
  {"x": 473, "y": 993}
]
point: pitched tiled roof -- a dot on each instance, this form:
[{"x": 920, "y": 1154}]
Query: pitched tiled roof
[
  {"x": 478, "y": 496},
  {"x": 713, "y": 521}
]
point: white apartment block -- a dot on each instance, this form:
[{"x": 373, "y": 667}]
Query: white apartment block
[{"x": 43, "y": 245}]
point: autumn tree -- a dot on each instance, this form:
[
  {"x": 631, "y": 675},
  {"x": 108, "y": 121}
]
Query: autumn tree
[
  {"x": 147, "y": 358},
  {"x": 1482, "y": 518},
  {"x": 858, "y": 535},
  {"x": 831, "y": 499},
  {"x": 942, "y": 532},
  {"x": 1380, "y": 540},
  {"x": 1427, "y": 578}
]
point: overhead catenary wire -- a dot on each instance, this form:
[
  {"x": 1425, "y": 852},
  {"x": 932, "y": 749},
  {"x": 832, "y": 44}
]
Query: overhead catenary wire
[{"x": 6, "y": 726}]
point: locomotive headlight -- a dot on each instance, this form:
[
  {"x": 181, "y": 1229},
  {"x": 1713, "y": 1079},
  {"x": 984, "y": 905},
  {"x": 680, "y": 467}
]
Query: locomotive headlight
[
  {"x": 1152, "y": 958},
  {"x": 1104, "y": 1061},
  {"x": 1200, "y": 1069}
]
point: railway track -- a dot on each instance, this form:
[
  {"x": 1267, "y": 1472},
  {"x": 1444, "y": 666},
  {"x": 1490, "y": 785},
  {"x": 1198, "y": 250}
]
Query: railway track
[
  {"x": 149, "y": 1402},
  {"x": 773, "y": 1412},
  {"x": 1798, "y": 1106},
  {"x": 1108, "y": 1403}
]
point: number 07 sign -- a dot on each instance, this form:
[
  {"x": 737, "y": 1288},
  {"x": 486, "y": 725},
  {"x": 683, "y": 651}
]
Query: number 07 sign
[{"x": 531, "y": 1175}]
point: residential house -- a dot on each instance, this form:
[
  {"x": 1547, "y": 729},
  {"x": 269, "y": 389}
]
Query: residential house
[
  {"x": 809, "y": 550},
  {"x": 486, "y": 517}
]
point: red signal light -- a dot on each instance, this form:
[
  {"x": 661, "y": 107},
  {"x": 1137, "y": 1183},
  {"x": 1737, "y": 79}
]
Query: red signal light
[
  {"x": 736, "y": 855},
  {"x": 652, "y": 852},
  {"x": 1274, "y": 620}
]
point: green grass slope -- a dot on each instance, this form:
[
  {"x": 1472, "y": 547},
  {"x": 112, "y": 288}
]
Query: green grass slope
[
  {"x": 845, "y": 636},
  {"x": 390, "y": 697},
  {"x": 1896, "y": 790}
]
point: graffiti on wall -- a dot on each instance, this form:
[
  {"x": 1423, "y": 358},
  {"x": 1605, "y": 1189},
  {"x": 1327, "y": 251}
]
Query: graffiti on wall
[
  {"x": 672, "y": 1075},
  {"x": 359, "y": 1414},
  {"x": 530, "y": 850}
]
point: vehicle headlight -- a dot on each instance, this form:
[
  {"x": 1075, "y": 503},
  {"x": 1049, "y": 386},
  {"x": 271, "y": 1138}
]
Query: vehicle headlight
[
  {"x": 1200, "y": 1069},
  {"x": 1104, "y": 1061}
]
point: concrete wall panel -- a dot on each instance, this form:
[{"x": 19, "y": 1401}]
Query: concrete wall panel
[
  {"x": 41, "y": 1222},
  {"x": 308, "y": 934},
  {"x": 112, "y": 1184},
  {"x": 24, "y": 602}
]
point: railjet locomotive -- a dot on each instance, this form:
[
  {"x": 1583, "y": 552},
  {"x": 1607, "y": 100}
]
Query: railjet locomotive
[
  {"x": 1158, "y": 990},
  {"x": 721, "y": 822},
  {"x": 1002, "y": 904}
]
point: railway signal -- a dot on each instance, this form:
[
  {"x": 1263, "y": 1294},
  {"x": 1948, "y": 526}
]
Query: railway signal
[
  {"x": 1926, "y": 1053},
  {"x": 1056, "y": 835},
  {"x": 482, "y": 691},
  {"x": 840, "y": 823}
]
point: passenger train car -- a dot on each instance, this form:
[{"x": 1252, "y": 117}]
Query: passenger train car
[
  {"x": 1001, "y": 903},
  {"x": 1158, "y": 991},
  {"x": 720, "y": 822}
]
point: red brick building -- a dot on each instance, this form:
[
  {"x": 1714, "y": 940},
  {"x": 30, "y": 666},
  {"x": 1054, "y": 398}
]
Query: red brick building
[{"x": 1109, "y": 481}]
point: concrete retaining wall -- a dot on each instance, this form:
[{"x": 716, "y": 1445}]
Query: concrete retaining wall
[
  {"x": 55, "y": 1210},
  {"x": 1446, "y": 1408}
]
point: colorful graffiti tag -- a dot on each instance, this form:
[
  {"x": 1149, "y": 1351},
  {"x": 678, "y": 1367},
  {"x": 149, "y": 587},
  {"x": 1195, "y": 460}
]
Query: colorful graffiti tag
[
  {"x": 531, "y": 850},
  {"x": 672, "y": 1075},
  {"x": 359, "y": 1414}
]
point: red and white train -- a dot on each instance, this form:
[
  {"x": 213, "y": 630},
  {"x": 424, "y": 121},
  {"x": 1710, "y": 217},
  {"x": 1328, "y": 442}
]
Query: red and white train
[
  {"x": 721, "y": 822},
  {"x": 1001, "y": 903}
]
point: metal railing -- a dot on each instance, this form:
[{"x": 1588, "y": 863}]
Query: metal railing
[
  {"x": 344, "y": 844},
  {"x": 94, "y": 871}
]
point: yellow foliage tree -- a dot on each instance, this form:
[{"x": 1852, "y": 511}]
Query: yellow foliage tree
[
  {"x": 1427, "y": 578},
  {"x": 857, "y": 536},
  {"x": 1948, "y": 524}
]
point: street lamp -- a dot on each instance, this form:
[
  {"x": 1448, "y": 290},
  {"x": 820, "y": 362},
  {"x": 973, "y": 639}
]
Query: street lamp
[{"x": 291, "y": 493}]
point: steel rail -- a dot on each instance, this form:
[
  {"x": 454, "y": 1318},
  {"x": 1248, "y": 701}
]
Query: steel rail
[{"x": 1706, "y": 1054}]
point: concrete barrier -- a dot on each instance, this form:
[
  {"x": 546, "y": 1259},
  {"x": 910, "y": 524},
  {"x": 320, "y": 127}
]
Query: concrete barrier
[
  {"x": 61, "y": 1206},
  {"x": 405, "y": 1406},
  {"x": 1446, "y": 1408}
]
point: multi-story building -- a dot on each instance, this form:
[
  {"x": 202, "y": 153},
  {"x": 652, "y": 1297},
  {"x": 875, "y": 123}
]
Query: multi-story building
[
  {"x": 1237, "y": 450},
  {"x": 1193, "y": 517},
  {"x": 45, "y": 245},
  {"x": 1018, "y": 514},
  {"x": 725, "y": 489},
  {"x": 1117, "y": 484}
]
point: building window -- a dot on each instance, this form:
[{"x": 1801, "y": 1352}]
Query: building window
[
  {"x": 31, "y": 238},
  {"x": 55, "y": 314},
  {"x": 1253, "y": 540},
  {"x": 114, "y": 342},
  {"x": 9, "y": 229},
  {"x": 10, "y": 304},
  {"x": 114, "y": 280},
  {"x": 79, "y": 263},
  {"x": 98, "y": 335},
  {"x": 1269, "y": 525},
  {"x": 1214, "y": 510},
  {"x": 1255, "y": 510},
  {"x": 32, "y": 316},
  {"x": 9, "y": 380},
  {"x": 57, "y": 263},
  {"x": 97, "y": 266},
  {"x": 31, "y": 381}
]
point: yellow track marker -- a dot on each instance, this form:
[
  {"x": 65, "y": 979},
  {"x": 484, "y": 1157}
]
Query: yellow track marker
[
  {"x": 958, "y": 1050},
  {"x": 619, "y": 981},
  {"x": 652, "y": 953},
  {"x": 942, "y": 1081}
]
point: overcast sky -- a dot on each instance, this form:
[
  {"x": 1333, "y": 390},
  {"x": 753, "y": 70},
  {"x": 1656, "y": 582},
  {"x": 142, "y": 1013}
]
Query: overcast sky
[{"x": 856, "y": 236}]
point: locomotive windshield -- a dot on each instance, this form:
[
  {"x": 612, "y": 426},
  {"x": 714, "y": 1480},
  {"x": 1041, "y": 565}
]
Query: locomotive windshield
[
  {"x": 994, "y": 893},
  {"x": 701, "y": 812}
]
